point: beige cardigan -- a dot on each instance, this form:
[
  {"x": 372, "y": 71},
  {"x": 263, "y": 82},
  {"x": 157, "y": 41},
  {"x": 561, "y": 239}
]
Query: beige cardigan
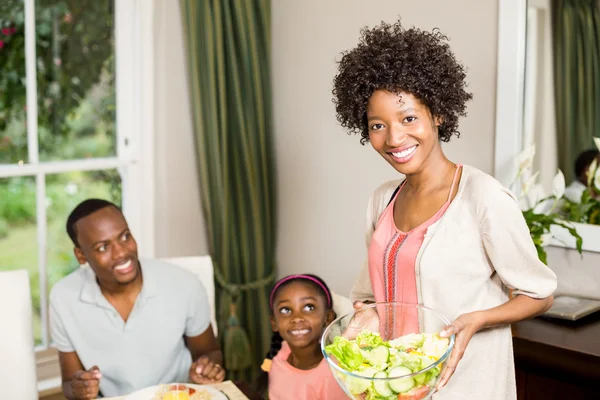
[{"x": 469, "y": 259}]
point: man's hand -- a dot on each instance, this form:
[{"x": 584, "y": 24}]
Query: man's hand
[
  {"x": 85, "y": 384},
  {"x": 205, "y": 371}
]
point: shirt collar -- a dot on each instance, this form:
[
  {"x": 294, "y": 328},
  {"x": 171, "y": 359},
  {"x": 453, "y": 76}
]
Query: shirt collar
[
  {"x": 150, "y": 284},
  {"x": 91, "y": 293}
]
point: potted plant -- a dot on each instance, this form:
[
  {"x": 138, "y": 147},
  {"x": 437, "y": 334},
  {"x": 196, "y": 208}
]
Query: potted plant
[{"x": 541, "y": 211}]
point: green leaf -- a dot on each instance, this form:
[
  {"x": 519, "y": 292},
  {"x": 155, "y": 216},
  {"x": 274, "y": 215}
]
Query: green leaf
[{"x": 542, "y": 255}]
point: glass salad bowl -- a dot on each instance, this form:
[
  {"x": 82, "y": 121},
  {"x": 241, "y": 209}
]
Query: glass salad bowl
[{"x": 388, "y": 351}]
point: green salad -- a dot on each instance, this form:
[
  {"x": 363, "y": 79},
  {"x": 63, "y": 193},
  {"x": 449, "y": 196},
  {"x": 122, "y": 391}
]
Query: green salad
[{"x": 370, "y": 356}]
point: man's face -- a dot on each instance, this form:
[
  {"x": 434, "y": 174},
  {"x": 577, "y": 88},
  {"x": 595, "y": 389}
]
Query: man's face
[{"x": 106, "y": 244}]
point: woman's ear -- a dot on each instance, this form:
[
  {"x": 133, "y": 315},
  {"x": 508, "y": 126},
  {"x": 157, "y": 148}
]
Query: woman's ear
[{"x": 438, "y": 120}]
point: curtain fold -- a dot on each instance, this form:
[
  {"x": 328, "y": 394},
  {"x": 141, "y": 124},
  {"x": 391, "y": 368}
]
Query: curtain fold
[
  {"x": 228, "y": 51},
  {"x": 576, "y": 37}
]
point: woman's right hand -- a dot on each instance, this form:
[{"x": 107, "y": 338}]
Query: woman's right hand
[{"x": 363, "y": 320}]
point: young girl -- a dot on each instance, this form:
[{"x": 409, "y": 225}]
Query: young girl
[{"x": 301, "y": 308}]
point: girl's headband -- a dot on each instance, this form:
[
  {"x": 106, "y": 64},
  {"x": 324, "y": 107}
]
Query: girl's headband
[{"x": 301, "y": 276}]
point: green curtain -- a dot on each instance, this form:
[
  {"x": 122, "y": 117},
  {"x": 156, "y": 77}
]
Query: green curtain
[
  {"x": 228, "y": 50},
  {"x": 576, "y": 37}
]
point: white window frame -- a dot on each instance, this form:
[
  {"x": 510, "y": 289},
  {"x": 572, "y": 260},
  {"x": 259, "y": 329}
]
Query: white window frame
[{"x": 134, "y": 53}]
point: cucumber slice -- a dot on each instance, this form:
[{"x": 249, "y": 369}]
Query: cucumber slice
[
  {"x": 381, "y": 387},
  {"x": 358, "y": 385},
  {"x": 401, "y": 385},
  {"x": 378, "y": 355}
]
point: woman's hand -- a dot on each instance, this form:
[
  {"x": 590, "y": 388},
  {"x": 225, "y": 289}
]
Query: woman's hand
[
  {"x": 365, "y": 320},
  {"x": 464, "y": 327},
  {"x": 206, "y": 371}
]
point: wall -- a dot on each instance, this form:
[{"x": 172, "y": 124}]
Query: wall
[
  {"x": 179, "y": 222},
  {"x": 325, "y": 176}
]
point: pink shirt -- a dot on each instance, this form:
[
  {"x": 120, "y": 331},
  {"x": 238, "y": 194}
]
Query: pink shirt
[
  {"x": 287, "y": 382},
  {"x": 392, "y": 259}
]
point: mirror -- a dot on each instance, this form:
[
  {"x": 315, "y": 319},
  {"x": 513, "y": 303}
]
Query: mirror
[{"x": 548, "y": 93}]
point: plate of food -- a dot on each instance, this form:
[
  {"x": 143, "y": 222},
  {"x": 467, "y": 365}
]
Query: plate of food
[{"x": 177, "y": 391}]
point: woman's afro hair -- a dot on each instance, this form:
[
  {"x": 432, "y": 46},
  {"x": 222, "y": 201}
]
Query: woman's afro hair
[{"x": 392, "y": 58}]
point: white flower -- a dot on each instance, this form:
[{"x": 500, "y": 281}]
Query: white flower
[
  {"x": 597, "y": 179},
  {"x": 558, "y": 185},
  {"x": 535, "y": 194},
  {"x": 530, "y": 182},
  {"x": 546, "y": 239},
  {"x": 597, "y": 141},
  {"x": 525, "y": 159}
]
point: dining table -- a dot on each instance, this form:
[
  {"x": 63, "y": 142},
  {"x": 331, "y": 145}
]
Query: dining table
[{"x": 238, "y": 390}]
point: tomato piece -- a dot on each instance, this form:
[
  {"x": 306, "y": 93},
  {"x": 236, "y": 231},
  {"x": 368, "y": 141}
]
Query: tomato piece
[{"x": 414, "y": 394}]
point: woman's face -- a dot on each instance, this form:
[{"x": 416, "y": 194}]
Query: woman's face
[{"x": 402, "y": 130}]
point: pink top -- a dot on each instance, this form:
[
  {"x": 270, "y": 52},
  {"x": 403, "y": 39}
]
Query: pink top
[
  {"x": 392, "y": 259},
  {"x": 287, "y": 382}
]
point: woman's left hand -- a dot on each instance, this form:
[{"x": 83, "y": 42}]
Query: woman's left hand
[{"x": 464, "y": 327}]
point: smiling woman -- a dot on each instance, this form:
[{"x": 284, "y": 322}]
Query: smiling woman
[{"x": 447, "y": 226}]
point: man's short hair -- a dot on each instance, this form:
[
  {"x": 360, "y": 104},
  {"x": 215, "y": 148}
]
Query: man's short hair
[
  {"x": 584, "y": 160},
  {"x": 82, "y": 210}
]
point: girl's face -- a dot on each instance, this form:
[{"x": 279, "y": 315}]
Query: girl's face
[
  {"x": 402, "y": 130},
  {"x": 300, "y": 314}
]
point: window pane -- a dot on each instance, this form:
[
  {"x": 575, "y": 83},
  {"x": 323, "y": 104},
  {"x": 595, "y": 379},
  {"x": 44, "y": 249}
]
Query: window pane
[
  {"x": 75, "y": 79},
  {"x": 64, "y": 192},
  {"x": 18, "y": 236},
  {"x": 13, "y": 127}
]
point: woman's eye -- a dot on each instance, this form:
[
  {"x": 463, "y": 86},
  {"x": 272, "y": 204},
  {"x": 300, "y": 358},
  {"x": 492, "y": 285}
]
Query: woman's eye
[
  {"x": 409, "y": 119},
  {"x": 125, "y": 237},
  {"x": 102, "y": 248},
  {"x": 376, "y": 127}
]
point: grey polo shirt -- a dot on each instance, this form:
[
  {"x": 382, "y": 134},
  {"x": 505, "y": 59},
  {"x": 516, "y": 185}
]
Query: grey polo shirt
[{"x": 149, "y": 348}]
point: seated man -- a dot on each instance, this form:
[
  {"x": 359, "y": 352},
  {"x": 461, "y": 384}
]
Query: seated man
[
  {"x": 120, "y": 324},
  {"x": 574, "y": 191}
]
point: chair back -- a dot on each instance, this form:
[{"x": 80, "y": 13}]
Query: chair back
[
  {"x": 17, "y": 354},
  {"x": 203, "y": 268},
  {"x": 341, "y": 305}
]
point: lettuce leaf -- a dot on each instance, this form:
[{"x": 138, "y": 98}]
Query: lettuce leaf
[
  {"x": 369, "y": 339},
  {"x": 346, "y": 352}
]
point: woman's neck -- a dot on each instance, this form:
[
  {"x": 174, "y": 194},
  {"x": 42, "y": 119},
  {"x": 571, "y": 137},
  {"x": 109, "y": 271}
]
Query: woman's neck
[
  {"x": 305, "y": 358},
  {"x": 432, "y": 175}
]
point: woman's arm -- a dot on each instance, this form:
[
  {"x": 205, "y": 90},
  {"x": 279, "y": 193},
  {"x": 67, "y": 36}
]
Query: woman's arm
[
  {"x": 512, "y": 254},
  {"x": 516, "y": 309}
]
